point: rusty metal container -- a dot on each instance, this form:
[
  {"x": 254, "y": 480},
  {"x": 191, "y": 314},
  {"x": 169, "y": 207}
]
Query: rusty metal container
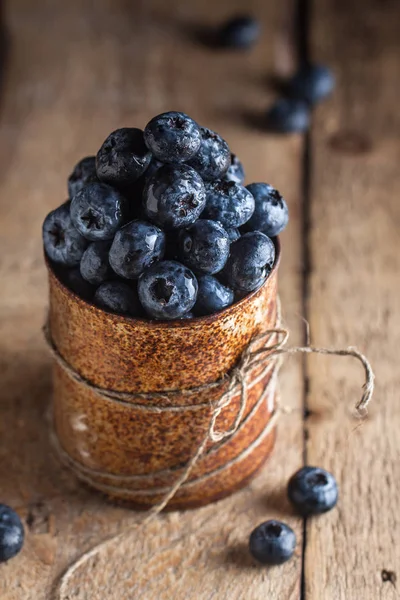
[{"x": 131, "y": 450}]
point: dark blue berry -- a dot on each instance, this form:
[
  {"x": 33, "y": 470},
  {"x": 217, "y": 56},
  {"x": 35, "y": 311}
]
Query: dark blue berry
[
  {"x": 84, "y": 172},
  {"x": 118, "y": 297},
  {"x": 311, "y": 83},
  {"x": 188, "y": 315},
  {"x": 167, "y": 290},
  {"x": 288, "y": 115},
  {"x": 123, "y": 157},
  {"x": 174, "y": 196},
  {"x": 63, "y": 244},
  {"x": 213, "y": 157},
  {"x": 98, "y": 211},
  {"x": 240, "y": 32},
  {"x": 312, "y": 491},
  {"x": 235, "y": 171},
  {"x": 229, "y": 203},
  {"x": 271, "y": 213},
  {"x": 272, "y": 543},
  {"x": 250, "y": 262},
  {"x": 233, "y": 233},
  {"x": 11, "y": 533},
  {"x": 95, "y": 266},
  {"x": 212, "y": 296},
  {"x": 172, "y": 137},
  {"x": 73, "y": 279},
  {"x": 135, "y": 247},
  {"x": 204, "y": 246}
]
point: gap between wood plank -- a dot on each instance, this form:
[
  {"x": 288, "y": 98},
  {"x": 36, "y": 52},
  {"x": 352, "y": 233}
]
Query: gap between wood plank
[{"x": 302, "y": 31}]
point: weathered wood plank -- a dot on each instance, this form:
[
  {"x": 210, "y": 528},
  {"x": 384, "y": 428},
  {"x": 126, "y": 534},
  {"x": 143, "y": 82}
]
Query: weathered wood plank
[
  {"x": 78, "y": 71},
  {"x": 354, "y": 299}
]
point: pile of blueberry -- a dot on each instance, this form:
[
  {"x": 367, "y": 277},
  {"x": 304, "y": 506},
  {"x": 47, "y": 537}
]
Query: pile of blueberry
[
  {"x": 312, "y": 491},
  {"x": 160, "y": 225}
]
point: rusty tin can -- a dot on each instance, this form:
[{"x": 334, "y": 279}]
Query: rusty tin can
[{"x": 130, "y": 449}]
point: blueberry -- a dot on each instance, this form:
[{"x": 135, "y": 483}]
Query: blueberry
[
  {"x": 98, "y": 211},
  {"x": 63, "y": 244},
  {"x": 174, "y": 196},
  {"x": 84, "y": 172},
  {"x": 250, "y": 262},
  {"x": 212, "y": 296},
  {"x": 172, "y": 137},
  {"x": 118, "y": 297},
  {"x": 240, "y": 32},
  {"x": 167, "y": 290},
  {"x": 188, "y": 315},
  {"x": 11, "y": 533},
  {"x": 233, "y": 233},
  {"x": 288, "y": 115},
  {"x": 311, "y": 83},
  {"x": 272, "y": 543},
  {"x": 135, "y": 247},
  {"x": 73, "y": 279},
  {"x": 213, "y": 157},
  {"x": 229, "y": 203},
  {"x": 204, "y": 246},
  {"x": 235, "y": 171},
  {"x": 95, "y": 266},
  {"x": 123, "y": 157},
  {"x": 313, "y": 491},
  {"x": 271, "y": 213}
]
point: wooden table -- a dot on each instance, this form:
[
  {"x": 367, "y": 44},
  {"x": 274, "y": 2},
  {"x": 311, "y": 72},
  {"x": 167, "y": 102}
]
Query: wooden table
[{"x": 78, "y": 70}]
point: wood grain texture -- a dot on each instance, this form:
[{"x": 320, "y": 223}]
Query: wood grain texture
[
  {"x": 354, "y": 299},
  {"x": 77, "y": 71}
]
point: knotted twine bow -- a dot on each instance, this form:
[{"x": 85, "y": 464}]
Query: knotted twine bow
[{"x": 258, "y": 352}]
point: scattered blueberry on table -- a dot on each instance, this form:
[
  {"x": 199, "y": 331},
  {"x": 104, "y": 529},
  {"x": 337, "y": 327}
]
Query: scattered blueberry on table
[
  {"x": 11, "y": 533},
  {"x": 272, "y": 543},
  {"x": 312, "y": 83},
  {"x": 312, "y": 491},
  {"x": 239, "y": 32},
  {"x": 159, "y": 224},
  {"x": 288, "y": 115}
]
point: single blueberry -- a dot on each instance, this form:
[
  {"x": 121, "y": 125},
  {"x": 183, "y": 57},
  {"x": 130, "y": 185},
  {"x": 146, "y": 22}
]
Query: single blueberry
[
  {"x": 188, "y": 315},
  {"x": 288, "y": 115},
  {"x": 174, "y": 196},
  {"x": 250, "y": 262},
  {"x": 241, "y": 31},
  {"x": 235, "y": 171},
  {"x": 84, "y": 172},
  {"x": 118, "y": 297},
  {"x": 313, "y": 490},
  {"x": 271, "y": 213},
  {"x": 229, "y": 203},
  {"x": 172, "y": 137},
  {"x": 123, "y": 157},
  {"x": 312, "y": 83},
  {"x": 204, "y": 246},
  {"x": 233, "y": 233},
  {"x": 11, "y": 533},
  {"x": 135, "y": 247},
  {"x": 63, "y": 244},
  {"x": 272, "y": 543},
  {"x": 95, "y": 266},
  {"x": 167, "y": 290},
  {"x": 212, "y": 296},
  {"x": 98, "y": 211},
  {"x": 213, "y": 157}
]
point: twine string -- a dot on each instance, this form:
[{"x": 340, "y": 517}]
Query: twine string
[{"x": 259, "y": 352}]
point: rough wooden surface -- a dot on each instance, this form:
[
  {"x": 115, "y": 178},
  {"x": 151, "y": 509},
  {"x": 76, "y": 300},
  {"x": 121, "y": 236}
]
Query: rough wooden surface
[
  {"x": 77, "y": 71},
  {"x": 354, "y": 291}
]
